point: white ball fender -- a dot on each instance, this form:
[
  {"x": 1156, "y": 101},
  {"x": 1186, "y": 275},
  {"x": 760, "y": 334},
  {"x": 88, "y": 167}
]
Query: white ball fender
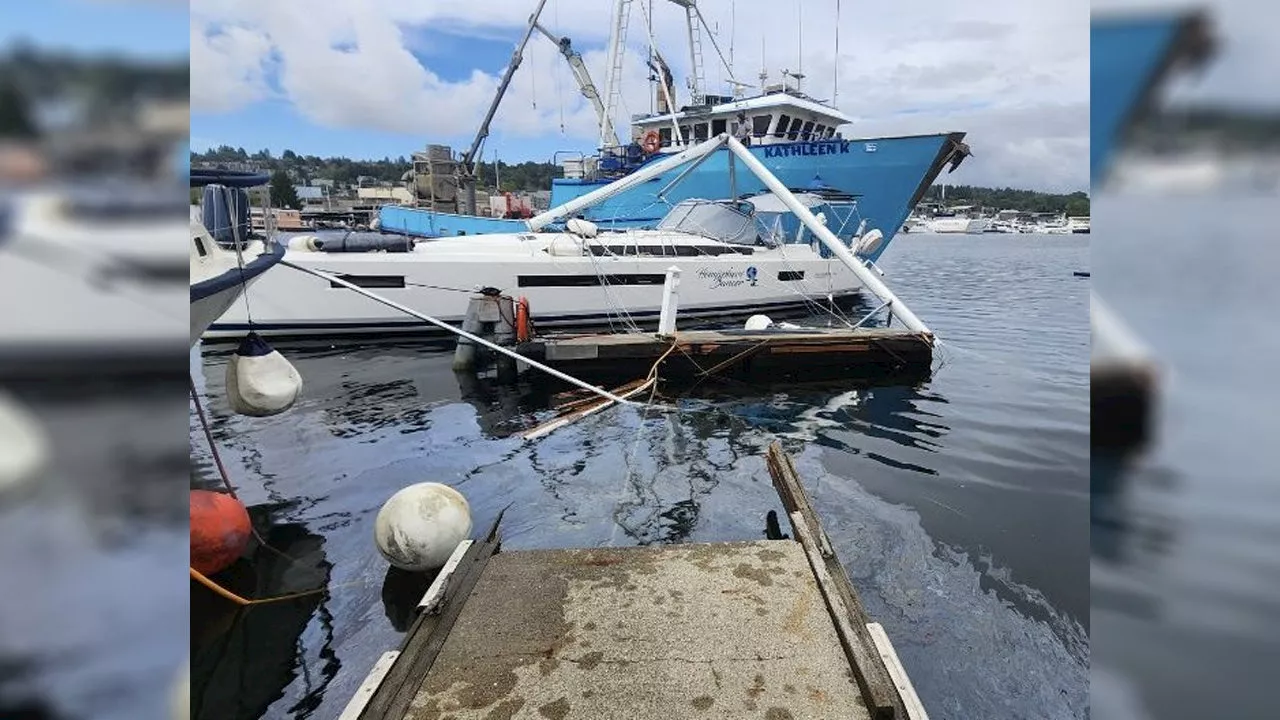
[{"x": 418, "y": 528}]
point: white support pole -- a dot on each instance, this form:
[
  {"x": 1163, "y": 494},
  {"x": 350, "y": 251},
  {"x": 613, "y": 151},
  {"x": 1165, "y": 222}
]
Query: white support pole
[
  {"x": 644, "y": 174},
  {"x": 670, "y": 302},
  {"x": 1113, "y": 342},
  {"x": 462, "y": 333},
  {"x": 837, "y": 248}
]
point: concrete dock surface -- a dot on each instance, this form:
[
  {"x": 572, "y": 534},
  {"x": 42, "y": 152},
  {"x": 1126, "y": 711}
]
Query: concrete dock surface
[{"x": 724, "y": 630}]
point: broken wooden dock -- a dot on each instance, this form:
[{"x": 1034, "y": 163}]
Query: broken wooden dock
[
  {"x": 768, "y": 628},
  {"x": 864, "y": 353}
]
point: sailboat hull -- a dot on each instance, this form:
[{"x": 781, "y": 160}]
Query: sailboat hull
[{"x": 564, "y": 291}]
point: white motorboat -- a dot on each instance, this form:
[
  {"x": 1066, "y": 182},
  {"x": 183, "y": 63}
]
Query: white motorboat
[
  {"x": 957, "y": 219},
  {"x": 737, "y": 258},
  {"x": 220, "y": 274},
  {"x": 92, "y": 276}
]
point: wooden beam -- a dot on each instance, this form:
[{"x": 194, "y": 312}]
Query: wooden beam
[{"x": 850, "y": 618}]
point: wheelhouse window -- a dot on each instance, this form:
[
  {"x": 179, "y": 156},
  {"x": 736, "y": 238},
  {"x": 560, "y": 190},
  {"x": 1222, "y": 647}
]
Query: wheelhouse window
[
  {"x": 783, "y": 123},
  {"x": 718, "y": 126},
  {"x": 684, "y": 133},
  {"x": 760, "y": 125},
  {"x": 806, "y": 131},
  {"x": 819, "y": 132},
  {"x": 700, "y": 132},
  {"x": 795, "y": 129},
  {"x": 664, "y": 136}
]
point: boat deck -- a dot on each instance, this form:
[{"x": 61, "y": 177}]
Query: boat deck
[
  {"x": 774, "y": 354},
  {"x": 768, "y": 629}
]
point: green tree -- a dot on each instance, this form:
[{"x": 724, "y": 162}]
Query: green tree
[
  {"x": 283, "y": 193},
  {"x": 15, "y": 117}
]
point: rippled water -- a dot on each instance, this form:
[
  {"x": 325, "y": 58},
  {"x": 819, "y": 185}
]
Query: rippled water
[
  {"x": 1185, "y": 570},
  {"x": 960, "y": 506}
]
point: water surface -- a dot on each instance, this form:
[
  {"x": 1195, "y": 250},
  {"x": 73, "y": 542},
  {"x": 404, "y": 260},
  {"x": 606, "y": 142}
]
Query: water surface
[{"x": 959, "y": 506}]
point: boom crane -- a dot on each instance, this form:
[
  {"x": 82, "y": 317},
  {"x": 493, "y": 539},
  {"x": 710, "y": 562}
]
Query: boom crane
[
  {"x": 467, "y": 168},
  {"x": 583, "y": 78}
]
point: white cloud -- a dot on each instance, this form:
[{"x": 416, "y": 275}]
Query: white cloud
[{"x": 1014, "y": 76}]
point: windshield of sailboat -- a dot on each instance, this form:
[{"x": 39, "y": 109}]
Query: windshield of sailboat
[
  {"x": 776, "y": 224},
  {"x": 727, "y": 222}
]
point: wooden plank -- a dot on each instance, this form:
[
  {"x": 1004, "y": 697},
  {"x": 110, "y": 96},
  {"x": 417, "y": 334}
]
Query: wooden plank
[
  {"x": 872, "y": 675},
  {"x": 907, "y": 691},
  {"x": 878, "y": 695},
  {"x": 600, "y": 404},
  {"x": 372, "y": 681},
  {"x": 426, "y": 636},
  {"x": 431, "y": 598}
]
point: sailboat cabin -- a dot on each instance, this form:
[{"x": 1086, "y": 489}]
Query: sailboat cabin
[{"x": 780, "y": 115}]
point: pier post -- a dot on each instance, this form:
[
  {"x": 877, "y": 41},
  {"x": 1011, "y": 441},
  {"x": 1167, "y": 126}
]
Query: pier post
[
  {"x": 464, "y": 356},
  {"x": 504, "y": 334},
  {"x": 670, "y": 302}
]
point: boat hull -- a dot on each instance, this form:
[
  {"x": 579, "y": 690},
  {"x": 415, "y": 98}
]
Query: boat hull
[
  {"x": 889, "y": 175},
  {"x": 581, "y": 291},
  {"x": 212, "y": 296},
  {"x": 957, "y": 225}
]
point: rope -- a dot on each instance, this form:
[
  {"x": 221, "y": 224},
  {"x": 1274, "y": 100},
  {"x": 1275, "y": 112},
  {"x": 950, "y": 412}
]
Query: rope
[
  {"x": 243, "y": 601},
  {"x": 724, "y": 363},
  {"x": 222, "y": 469}
]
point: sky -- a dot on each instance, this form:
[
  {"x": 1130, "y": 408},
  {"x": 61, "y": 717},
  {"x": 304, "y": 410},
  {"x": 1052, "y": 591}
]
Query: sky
[
  {"x": 375, "y": 78},
  {"x": 151, "y": 29}
]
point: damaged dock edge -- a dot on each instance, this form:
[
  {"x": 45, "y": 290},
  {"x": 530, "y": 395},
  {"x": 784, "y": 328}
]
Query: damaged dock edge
[
  {"x": 392, "y": 694},
  {"x": 878, "y": 688}
]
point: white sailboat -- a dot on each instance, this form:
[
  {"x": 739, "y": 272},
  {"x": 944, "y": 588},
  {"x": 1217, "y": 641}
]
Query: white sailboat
[{"x": 737, "y": 258}]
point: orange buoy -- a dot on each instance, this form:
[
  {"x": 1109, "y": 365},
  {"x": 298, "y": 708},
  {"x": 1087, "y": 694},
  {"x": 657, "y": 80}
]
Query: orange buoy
[
  {"x": 522, "y": 320},
  {"x": 220, "y": 531}
]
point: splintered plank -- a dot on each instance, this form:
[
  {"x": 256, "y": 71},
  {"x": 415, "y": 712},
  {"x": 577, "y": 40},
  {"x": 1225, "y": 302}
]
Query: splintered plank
[{"x": 851, "y": 619}]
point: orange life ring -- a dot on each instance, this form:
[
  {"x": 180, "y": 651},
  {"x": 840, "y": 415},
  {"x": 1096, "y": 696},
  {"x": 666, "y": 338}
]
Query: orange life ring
[
  {"x": 651, "y": 143},
  {"x": 522, "y": 320}
]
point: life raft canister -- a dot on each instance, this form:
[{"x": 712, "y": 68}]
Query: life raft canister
[{"x": 651, "y": 143}]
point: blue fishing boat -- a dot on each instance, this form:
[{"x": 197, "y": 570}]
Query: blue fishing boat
[{"x": 878, "y": 180}]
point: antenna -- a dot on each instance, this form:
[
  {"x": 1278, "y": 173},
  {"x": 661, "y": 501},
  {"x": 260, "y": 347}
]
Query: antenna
[
  {"x": 764, "y": 72},
  {"x": 835, "y": 72},
  {"x": 733, "y": 35},
  {"x": 800, "y": 45}
]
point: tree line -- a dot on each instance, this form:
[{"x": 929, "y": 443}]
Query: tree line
[
  {"x": 529, "y": 176},
  {"x": 105, "y": 86},
  {"x": 514, "y": 177},
  {"x": 1076, "y": 203}
]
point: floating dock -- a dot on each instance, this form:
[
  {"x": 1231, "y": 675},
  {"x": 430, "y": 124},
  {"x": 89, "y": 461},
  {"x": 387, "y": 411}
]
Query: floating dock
[
  {"x": 765, "y": 629},
  {"x": 863, "y": 353}
]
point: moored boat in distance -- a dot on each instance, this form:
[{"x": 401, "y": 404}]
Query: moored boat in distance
[{"x": 958, "y": 219}]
